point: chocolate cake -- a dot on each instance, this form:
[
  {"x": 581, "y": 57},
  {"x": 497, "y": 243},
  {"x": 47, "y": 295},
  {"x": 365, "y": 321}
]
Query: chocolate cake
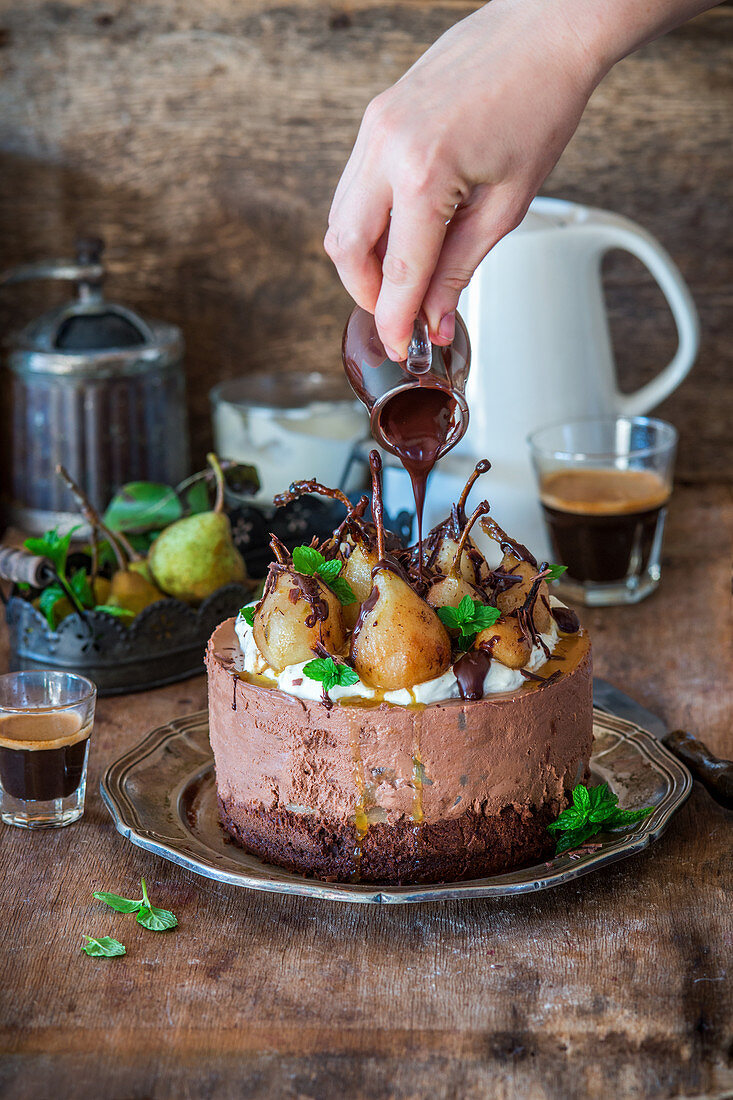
[{"x": 400, "y": 715}]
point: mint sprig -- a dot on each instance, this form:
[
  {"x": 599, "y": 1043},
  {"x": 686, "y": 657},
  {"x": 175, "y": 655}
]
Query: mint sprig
[
  {"x": 148, "y": 915},
  {"x": 248, "y": 614},
  {"x": 327, "y": 672},
  {"x": 594, "y": 809},
  {"x": 311, "y": 562},
  {"x": 105, "y": 946},
  {"x": 555, "y": 572},
  {"x": 470, "y": 617}
]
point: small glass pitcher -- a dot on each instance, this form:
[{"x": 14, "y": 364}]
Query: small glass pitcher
[{"x": 377, "y": 380}]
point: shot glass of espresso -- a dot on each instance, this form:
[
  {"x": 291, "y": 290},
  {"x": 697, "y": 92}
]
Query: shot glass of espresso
[
  {"x": 604, "y": 486},
  {"x": 46, "y": 720}
]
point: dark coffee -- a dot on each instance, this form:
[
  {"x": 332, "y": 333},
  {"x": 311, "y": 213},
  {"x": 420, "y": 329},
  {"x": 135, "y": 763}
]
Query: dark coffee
[
  {"x": 603, "y": 523},
  {"x": 42, "y": 755}
]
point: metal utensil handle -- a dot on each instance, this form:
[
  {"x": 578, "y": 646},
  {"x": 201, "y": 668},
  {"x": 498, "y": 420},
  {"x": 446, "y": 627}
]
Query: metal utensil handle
[
  {"x": 715, "y": 775},
  {"x": 23, "y": 568}
]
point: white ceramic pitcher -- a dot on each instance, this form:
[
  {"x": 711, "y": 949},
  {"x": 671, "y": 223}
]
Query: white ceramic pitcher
[{"x": 541, "y": 348}]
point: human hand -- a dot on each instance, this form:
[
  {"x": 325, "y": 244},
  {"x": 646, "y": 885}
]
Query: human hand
[{"x": 448, "y": 159}]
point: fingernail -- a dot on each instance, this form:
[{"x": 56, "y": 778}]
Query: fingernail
[
  {"x": 447, "y": 326},
  {"x": 393, "y": 355}
]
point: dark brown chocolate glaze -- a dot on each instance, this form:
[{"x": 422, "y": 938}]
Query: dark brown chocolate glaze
[
  {"x": 470, "y": 672},
  {"x": 566, "y": 619}
]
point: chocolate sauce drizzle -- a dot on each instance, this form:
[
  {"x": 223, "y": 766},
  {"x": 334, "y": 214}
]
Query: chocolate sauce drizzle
[
  {"x": 566, "y": 619},
  {"x": 470, "y": 671},
  {"x": 507, "y": 543}
]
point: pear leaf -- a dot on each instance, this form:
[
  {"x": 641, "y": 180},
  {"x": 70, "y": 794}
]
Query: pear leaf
[{"x": 142, "y": 506}]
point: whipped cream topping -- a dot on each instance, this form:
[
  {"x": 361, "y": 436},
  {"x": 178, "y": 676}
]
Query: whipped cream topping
[{"x": 293, "y": 680}]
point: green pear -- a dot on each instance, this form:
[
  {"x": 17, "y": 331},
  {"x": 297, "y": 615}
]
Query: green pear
[
  {"x": 132, "y": 591},
  {"x": 194, "y": 556}
]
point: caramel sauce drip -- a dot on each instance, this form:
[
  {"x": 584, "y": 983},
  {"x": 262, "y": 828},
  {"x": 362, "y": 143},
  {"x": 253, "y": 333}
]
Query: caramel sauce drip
[{"x": 361, "y": 821}]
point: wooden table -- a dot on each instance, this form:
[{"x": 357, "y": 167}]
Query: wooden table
[{"x": 618, "y": 985}]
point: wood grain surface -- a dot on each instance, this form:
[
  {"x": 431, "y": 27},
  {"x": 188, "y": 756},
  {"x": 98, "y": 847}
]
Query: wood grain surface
[
  {"x": 204, "y": 142},
  {"x": 618, "y": 985}
]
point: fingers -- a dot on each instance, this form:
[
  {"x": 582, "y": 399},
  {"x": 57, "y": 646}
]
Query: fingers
[
  {"x": 472, "y": 233},
  {"x": 357, "y": 223},
  {"x": 416, "y": 232}
]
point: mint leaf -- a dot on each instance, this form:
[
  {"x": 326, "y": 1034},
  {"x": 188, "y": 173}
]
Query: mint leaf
[
  {"x": 342, "y": 590},
  {"x": 53, "y": 546},
  {"x": 449, "y": 617},
  {"x": 120, "y": 905},
  {"x": 329, "y": 570},
  {"x": 581, "y": 800},
  {"x": 484, "y": 617},
  {"x": 306, "y": 560},
  {"x": 81, "y": 587},
  {"x": 469, "y": 617},
  {"x": 248, "y": 614},
  {"x": 618, "y": 818},
  {"x": 106, "y": 946},
  {"x": 593, "y": 810},
  {"x": 148, "y": 915},
  {"x": 47, "y": 602},
  {"x": 555, "y": 572},
  {"x": 575, "y": 838},
  {"x": 326, "y": 671},
  {"x": 157, "y": 920}
]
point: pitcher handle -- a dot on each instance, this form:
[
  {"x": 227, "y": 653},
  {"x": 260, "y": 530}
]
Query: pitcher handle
[{"x": 613, "y": 231}]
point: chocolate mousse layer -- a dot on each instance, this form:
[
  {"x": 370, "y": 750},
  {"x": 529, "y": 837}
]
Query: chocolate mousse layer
[{"x": 398, "y": 794}]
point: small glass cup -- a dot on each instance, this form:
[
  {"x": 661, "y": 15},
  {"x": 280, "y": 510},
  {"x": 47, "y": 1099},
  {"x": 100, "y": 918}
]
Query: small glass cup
[
  {"x": 46, "y": 719},
  {"x": 604, "y": 487}
]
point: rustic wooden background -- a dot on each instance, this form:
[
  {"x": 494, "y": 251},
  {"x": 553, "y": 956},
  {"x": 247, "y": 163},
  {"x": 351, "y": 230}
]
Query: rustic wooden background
[{"x": 204, "y": 140}]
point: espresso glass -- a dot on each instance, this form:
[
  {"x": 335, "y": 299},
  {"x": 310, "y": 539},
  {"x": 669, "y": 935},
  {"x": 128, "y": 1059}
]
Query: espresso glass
[
  {"x": 46, "y": 720},
  {"x": 604, "y": 487}
]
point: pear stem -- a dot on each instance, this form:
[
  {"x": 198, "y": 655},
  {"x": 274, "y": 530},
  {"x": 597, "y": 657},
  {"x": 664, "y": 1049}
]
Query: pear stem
[
  {"x": 279, "y": 550},
  {"x": 300, "y": 488},
  {"x": 481, "y": 510},
  {"x": 213, "y": 461},
  {"x": 115, "y": 538},
  {"x": 481, "y": 467},
  {"x": 375, "y": 465}
]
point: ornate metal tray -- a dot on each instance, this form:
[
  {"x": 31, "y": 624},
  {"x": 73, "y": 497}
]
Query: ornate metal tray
[
  {"x": 161, "y": 797},
  {"x": 163, "y": 644}
]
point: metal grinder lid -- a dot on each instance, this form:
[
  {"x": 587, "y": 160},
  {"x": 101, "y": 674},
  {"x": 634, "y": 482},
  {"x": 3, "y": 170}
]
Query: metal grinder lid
[{"x": 88, "y": 336}]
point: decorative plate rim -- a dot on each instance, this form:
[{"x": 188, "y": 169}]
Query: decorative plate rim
[{"x": 554, "y": 872}]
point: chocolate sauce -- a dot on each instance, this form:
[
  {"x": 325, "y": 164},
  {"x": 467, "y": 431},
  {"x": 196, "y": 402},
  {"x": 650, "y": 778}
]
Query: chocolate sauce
[
  {"x": 364, "y": 610},
  {"x": 419, "y": 425},
  {"x": 470, "y": 671},
  {"x": 566, "y": 619}
]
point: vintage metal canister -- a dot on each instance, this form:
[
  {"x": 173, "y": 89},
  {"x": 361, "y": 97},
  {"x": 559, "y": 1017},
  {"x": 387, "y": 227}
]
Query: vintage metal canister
[{"x": 96, "y": 388}]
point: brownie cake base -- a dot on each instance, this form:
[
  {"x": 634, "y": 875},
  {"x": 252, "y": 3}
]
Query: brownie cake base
[{"x": 465, "y": 847}]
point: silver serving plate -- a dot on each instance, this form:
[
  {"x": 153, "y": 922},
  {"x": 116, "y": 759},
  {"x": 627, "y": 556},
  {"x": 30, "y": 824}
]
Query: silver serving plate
[{"x": 162, "y": 797}]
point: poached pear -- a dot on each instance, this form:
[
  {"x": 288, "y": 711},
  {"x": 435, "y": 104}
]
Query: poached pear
[
  {"x": 398, "y": 641},
  {"x": 448, "y": 591},
  {"x": 195, "y": 555},
  {"x": 296, "y": 614},
  {"x": 443, "y": 541}
]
